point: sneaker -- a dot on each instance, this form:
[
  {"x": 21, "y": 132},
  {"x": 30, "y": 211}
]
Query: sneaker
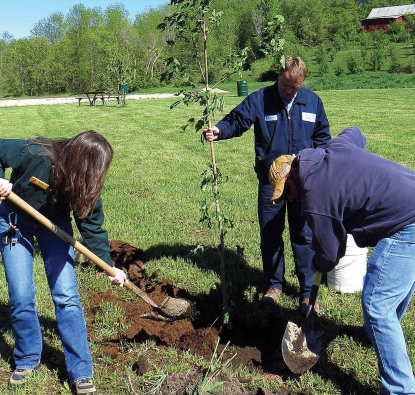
[
  {"x": 85, "y": 387},
  {"x": 19, "y": 376},
  {"x": 272, "y": 295},
  {"x": 304, "y": 305}
]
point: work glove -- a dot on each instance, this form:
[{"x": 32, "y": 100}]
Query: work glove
[
  {"x": 278, "y": 171},
  {"x": 119, "y": 277},
  {"x": 5, "y": 188}
]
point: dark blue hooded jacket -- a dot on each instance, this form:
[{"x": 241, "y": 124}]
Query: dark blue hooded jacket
[
  {"x": 346, "y": 189},
  {"x": 276, "y": 132}
]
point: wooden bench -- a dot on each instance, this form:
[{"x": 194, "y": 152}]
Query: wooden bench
[
  {"x": 117, "y": 97},
  {"x": 104, "y": 99},
  {"x": 79, "y": 99}
]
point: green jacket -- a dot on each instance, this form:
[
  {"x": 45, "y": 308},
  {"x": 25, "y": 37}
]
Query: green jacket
[{"x": 26, "y": 160}]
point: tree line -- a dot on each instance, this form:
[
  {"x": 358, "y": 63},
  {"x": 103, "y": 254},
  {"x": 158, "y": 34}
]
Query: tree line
[{"x": 91, "y": 48}]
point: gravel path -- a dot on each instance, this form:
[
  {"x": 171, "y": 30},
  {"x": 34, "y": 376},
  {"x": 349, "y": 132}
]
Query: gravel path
[{"x": 69, "y": 100}]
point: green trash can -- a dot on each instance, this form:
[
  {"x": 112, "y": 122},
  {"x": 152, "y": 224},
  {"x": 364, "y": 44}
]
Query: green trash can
[
  {"x": 242, "y": 88},
  {"x": 125, "y": 88}
]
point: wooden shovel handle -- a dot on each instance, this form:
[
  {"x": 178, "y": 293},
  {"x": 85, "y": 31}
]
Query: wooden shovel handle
[{"x": 76, "y": 244}]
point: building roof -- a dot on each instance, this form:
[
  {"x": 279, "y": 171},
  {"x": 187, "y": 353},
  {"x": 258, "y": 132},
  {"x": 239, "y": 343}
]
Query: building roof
[{"x": 391, "y": 12}]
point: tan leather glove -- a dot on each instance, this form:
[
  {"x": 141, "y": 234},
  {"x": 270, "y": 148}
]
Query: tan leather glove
[{"x": 277, "y": 173}]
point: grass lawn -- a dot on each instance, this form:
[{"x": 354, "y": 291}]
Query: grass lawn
[{"x": 152, "y": 198}]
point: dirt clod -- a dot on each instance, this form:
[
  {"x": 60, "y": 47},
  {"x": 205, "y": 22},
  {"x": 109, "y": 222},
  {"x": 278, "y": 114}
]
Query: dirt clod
[
  {"x": 142, "y": 365},
  {"x": 130, "y": 259}
]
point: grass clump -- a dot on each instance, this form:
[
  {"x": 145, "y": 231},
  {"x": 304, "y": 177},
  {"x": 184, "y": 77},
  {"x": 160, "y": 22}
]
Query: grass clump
[{"x": 109, "y": 321}]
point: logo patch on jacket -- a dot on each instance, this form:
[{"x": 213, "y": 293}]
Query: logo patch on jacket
[
  {"x": 309, "y": 117},
  {"x": 270, "y": 118}
]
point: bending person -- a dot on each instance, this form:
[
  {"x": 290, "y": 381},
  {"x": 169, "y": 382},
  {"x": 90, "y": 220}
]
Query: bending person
[
  {"x": 55, "y": 177},
  {"x": 345, "y": 189}
]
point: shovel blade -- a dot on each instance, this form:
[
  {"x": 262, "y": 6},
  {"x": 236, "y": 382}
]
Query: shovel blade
[
  {"x": 301, "y": 351},
  {"x": 170, "y": 309},
  {"x": 176, "y": 307}
]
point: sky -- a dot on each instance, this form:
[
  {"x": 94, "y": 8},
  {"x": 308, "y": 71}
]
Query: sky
[{"x": 18, "y": 17}]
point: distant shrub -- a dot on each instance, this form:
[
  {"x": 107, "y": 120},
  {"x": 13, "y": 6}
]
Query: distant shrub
[
  {"x": 409, "y": 69},
  {"x": 354, "y": 63},
  {"x": 269, "y": 75},
  {"x": 338, "y": 70},
  {"x": 398, "y": 32},
  {"x": 367, "y": 80},
  {"x": 394, "y": 67},
  {"x": 331, "y": 52},
  {"x": 394, "y": 64},
  {"x": 323, "y": 67},
  {"x": 320, "y": 53},
  {"x": 377, "y": 59}
]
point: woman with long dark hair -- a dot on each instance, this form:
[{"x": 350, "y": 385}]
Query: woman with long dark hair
[{"x": 55, "y": 176}]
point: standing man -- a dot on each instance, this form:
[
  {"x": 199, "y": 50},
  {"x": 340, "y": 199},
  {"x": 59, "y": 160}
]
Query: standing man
[
  {"x": 345, "y": 189},
  {"x": 287, "y": 118}
]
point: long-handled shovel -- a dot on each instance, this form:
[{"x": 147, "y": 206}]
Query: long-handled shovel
[
  {"x": 169, "y": 309},
  {"x": 301, "y": 347}
]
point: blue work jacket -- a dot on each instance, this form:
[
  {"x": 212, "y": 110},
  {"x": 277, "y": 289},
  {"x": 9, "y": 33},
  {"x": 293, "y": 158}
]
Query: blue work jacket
[{"x": 278, "y": 132}]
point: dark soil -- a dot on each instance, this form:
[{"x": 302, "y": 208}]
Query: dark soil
[{"x": 256, "y": 343}]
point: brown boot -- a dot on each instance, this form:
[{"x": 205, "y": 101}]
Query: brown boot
[
  {"x": 304, "y": 305},
  {"x": 272, "y": 295}
]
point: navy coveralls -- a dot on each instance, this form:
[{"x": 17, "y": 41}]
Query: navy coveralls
[{"x": 279, "y": 133}]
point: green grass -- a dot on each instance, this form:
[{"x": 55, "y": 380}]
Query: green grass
[
  {"x": 152, "y": 199},
  {"x": 109, "y": 322}
]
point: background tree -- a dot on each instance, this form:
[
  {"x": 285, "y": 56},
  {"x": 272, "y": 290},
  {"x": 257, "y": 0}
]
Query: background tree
[
  {"x": 307, "y": 20},
  {"x": 151, "y": 46},
  {"x": 81, "y": 43},
  {"x": 53, "y": 27}
]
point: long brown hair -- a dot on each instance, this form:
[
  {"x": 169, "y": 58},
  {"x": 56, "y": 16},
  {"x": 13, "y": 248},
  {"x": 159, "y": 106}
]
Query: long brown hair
[{"x": 79, "y": 166}]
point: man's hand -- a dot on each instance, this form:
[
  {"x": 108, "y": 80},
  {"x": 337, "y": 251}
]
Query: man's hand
[
  {"x": 211, "y": 134},
  {"x": 119, "y": 278},
  {"x": 5, "y": 188}
]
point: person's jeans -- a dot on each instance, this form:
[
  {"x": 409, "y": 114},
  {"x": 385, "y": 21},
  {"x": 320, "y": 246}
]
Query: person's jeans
[
  {"x": 58, "y": 258},
  {"x": 272, "y": 223},
  {"x": 387, "y": 291}
]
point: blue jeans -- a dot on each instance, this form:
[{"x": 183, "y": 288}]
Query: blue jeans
[
  {"x": 58, "y": 258},
  {"x": 388, "y": 288},
  {"x": 272, "y": 223}
]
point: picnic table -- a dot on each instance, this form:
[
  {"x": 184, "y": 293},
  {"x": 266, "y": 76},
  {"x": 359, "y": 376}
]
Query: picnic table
[{"x": 95, "y": 95}]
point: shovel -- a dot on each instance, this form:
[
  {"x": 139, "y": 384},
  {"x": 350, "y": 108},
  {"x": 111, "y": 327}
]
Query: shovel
[
  {"x": 169, "y": 309},
  {"x": 301, "y": 347}
]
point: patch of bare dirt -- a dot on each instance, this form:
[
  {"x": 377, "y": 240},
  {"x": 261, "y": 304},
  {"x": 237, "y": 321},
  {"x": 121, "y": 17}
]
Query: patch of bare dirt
[{"x": 257, "y": 345}]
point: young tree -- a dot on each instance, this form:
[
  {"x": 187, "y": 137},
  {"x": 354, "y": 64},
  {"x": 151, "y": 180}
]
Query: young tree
[
  {"x": 117, "y": 75},
  {"x": 194, "y": 21}
]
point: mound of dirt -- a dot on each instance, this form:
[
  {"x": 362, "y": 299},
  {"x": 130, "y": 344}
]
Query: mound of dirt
[
  {"x": 130, "y": 259},
  {"x": 257, "y": 345}
]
